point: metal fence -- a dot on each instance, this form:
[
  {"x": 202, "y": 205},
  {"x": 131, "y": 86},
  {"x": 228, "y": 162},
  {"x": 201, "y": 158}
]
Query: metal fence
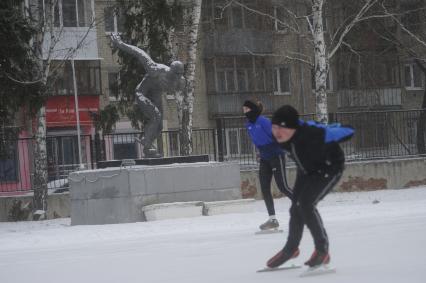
[
  {"x": 379, "y": 134},
  {"x": 17, "y": 162}
]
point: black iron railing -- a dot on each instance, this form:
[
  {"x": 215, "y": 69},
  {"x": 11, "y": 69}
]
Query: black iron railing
[{"x": 379, "y": 135}]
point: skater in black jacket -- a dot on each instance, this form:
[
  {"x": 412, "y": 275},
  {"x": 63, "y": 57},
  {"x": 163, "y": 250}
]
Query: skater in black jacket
[{"x": 320, "y": 163}]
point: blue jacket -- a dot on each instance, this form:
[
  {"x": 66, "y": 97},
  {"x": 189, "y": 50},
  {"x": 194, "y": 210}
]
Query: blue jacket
[{"x": 261, "y": 135}]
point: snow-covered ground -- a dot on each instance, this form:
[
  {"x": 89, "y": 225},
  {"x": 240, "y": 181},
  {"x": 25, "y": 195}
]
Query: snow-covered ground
[{"x": 371, "y": 241}]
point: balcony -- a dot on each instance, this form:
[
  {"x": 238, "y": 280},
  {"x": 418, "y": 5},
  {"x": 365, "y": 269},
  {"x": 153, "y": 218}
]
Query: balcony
[
  {"x": 230, "y": 104},
  {"x": 81, "y": 39},
  {"x": 369, "y": 98},
  {"x": 238, "y": 42}
]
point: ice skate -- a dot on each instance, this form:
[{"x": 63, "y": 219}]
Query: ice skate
[
  {"x": 281, "y": 257},
  {"x": 269, "y": 227}
]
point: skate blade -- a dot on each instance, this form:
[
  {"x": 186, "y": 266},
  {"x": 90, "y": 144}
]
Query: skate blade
[
  {"x": 280, "y": 268},
  {"x": 272, "y": 231},
  {"x": 320, "y": 270}
]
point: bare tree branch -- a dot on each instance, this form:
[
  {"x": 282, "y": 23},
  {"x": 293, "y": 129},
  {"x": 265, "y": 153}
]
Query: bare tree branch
[
  {"x": 415, "y": 37},
  {"x": 282, "y": 56},
  {"x": 348, "y": 28}
]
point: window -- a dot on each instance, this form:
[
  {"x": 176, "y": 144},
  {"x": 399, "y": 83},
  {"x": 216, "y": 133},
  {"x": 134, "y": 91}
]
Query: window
[
  {"x": 88, "y": 77},
  {"x": 113, "y": 80},
  {"x": 8, "y": 162},
  {"x": 113, "y": 19},
  {"x": 62, "y": 155},
  {"x": 245, "y": 78},
  {"x": 225, "y": 74},
  {"x": 242, "y": 74},
  {"x": 413, "y": 77},
  {"x": 69, "y": 13},
  {"x": 279, "y": 17},
  {"x": 281, "y": 79},
  {"x": 237, "y": 17},
  {"x": 260, "y": 73},
  {"x": 87, "y": 74},
  {"x": 329, "y": 80},
  {"x": 242, "y": 78},
  {"x": 226, "y": 80}
]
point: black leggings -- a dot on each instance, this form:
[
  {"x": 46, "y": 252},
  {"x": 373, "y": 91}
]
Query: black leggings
[
  {"x": 308, "y": 191},
  {"x": 274, "y": 166}
]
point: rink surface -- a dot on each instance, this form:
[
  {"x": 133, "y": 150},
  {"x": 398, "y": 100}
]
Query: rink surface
[{"x": 370, "y": 242}]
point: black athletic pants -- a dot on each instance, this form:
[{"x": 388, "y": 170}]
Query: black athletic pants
[
  {"x": 308, "y": 191},
  {"x": 276, "y": 167}
]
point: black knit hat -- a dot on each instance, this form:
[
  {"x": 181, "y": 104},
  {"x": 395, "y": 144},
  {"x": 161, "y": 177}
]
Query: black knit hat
[
  {"x": 250, "y": 104},
  {"x": 286, "y": 116}
]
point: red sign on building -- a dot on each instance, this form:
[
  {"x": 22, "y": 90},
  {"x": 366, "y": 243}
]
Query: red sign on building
[{"x": 60, "y": 110}]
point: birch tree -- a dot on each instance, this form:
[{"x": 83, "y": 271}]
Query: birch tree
[
  {"x": 185, "y": 100},
  {"x": 49, "y": 34},
  {"x": 43, "y": 49}
]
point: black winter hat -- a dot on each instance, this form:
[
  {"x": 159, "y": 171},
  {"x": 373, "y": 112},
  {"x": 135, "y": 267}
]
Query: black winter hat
[
  {"x": 286, "y": 116},
  {"x": 250, "y": 104}
]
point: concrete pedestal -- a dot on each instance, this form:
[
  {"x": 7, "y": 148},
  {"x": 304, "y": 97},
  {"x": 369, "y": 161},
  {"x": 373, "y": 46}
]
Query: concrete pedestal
[{"x": 117, "y": 195}]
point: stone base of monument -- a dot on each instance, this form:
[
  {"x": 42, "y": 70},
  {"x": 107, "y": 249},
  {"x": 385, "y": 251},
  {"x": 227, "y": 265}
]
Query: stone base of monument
[
  {"x": 173, "y": 210},
  {"x": 225, "y": 207},
  {"x": 156, "y": 161},
  {"x": 117, "y": 195}
]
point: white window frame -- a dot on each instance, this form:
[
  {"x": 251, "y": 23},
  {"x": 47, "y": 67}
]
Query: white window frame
[
  {"x": 61, "y": 16},
  {"x": 411, "y": 86},
  {"x": 246, "y": 82},
  {"x": 276, "y": 75},
  {"x": 226, "y": 70}
]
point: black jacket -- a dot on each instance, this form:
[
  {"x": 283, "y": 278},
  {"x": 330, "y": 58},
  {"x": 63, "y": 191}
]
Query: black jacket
[{"x": 312, "y": 154}]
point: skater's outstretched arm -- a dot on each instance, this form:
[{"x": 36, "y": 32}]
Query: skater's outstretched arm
[{"x": 143, "y": 57}]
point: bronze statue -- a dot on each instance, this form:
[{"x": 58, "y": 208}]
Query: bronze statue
[{"x": 158, "y": 79}]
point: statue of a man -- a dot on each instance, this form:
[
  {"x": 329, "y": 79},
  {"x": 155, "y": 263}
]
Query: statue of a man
[{"x": 158, "y": 79}]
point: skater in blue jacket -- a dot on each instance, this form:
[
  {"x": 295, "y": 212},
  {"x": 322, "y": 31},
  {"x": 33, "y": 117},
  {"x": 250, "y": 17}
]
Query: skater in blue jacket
[{"x": 272, "y": 158}]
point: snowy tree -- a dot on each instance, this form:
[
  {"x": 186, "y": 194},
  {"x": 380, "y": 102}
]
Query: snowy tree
[
  {"x": 46, "y": 48},
  {"x": 185, "y": 100},
  {"x": 41, "y": 48},
  {"x": 322, "y": 47}
]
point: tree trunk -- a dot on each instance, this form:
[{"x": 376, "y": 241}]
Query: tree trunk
[
  {"x": 186, "y": 101},
  {"x": 40, "y": 164},
  {"x": 40, "y": 177},
  {"x": 321, "y": 62}
]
